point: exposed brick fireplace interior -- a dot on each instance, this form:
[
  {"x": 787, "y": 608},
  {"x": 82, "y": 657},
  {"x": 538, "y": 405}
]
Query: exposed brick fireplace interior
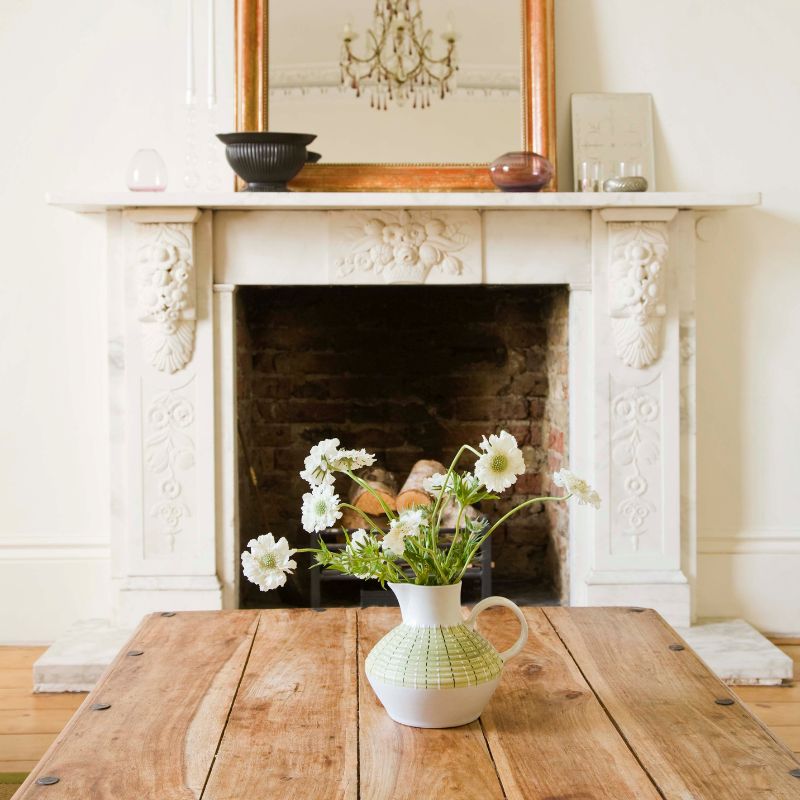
[{"x": 408, "y": 372}]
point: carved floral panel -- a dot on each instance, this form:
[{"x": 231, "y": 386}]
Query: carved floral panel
[
  {"x": 166, "y": 294},
  {"x": 636, "y": 468},
  {"x": 169, "y": 465},
  {"x": 405, "y": 246},
  {"x": 638, "y": 252}
]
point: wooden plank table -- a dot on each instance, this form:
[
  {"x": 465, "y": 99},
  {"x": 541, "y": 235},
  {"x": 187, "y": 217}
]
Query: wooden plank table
[{"x": 602, "y": 703}]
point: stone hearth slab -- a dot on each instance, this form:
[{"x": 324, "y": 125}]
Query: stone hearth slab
[
  {"x": 738, "y": 654},
  {"x": 78, "y": 658}
]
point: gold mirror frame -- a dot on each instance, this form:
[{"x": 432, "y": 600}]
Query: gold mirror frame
[{"x": 538, "y": 118}]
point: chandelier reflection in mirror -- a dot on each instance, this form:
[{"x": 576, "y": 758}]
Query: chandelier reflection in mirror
[{"x": 398, "y": 64}]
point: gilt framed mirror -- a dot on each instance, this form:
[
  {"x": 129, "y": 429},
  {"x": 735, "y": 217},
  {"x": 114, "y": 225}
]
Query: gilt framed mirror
[{"x": 402, "y": 94}]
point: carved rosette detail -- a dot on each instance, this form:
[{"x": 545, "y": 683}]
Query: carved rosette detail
[
  {"x": 635, "y": 448},
  {"x": 638, "y": 253},
  {"x": 169, "y": 456},
  {"x": 403, "y": 247},
  {"x": 166, "y": 302}
]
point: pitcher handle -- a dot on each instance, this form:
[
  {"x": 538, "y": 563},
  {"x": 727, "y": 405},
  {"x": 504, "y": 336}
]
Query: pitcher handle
[{"x": 523, "y": 623}]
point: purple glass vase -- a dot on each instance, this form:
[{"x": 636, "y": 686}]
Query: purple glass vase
[{"x": 521, "y": 172}]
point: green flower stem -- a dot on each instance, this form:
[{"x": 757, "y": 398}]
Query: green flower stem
[
  {"x": 364, "y": 485},
  {"x": 519, "y": 508},
  {"x": 435, "y": 555},
  {"x": 399, "y": 576},
  {"x": 455, "y": 534},
  {"x": 439, "y": 507},
  {"x": 372, "y": 524},
  {"x": 500, "y": 522}
]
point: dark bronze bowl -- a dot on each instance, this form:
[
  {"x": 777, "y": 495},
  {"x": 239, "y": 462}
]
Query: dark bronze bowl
[{"x": 266, "y": 161}]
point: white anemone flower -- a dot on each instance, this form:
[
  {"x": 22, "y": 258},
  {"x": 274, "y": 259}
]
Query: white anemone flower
[
  {"x": 268, "y": 562},
  {"x": 408, "y": 524},
  {"x": 320, "y": 509},
  {"x": 318, "y": 463},
  {"x": 352, "y": 460},
  {"x": 500, "y": 463},
  {"x": 578, "y": 487},
  {"x": 433, "y": 484},
  {"x": 358, "y": 540}
]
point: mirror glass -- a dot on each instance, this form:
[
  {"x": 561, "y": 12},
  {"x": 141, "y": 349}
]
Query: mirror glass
[{"x": 367, "y": 76}]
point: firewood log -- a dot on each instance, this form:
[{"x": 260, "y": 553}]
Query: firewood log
[
  {"x": 412, "y": 493},
  {"x": 352, "y": 520},
  {"x": 450, "y": 514},
  {"x": 383, "y": 483}
]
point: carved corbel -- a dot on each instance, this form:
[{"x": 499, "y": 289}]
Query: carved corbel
[
  {"x": 166, "y": 294},
  {"x": 638, "y": 254}
]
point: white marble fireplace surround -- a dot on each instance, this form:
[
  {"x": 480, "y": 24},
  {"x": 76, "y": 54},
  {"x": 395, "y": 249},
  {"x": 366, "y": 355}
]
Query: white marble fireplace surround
[{"x": 629, "y": 262}]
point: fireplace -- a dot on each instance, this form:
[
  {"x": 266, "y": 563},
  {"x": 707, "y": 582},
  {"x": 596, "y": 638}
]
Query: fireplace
[
  {"x": 619, "y": 268},
  {"x": 408, "y": 372}
]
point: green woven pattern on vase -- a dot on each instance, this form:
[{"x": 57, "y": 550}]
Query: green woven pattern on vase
[{"x": 433, "y": 658}]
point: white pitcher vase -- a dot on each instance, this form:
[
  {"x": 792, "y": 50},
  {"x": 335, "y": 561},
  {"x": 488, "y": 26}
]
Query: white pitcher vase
[{"x": 434, "y": 670}]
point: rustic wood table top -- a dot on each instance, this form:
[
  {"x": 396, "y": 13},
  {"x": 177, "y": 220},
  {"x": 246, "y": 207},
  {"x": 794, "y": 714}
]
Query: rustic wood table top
[{"x": 602, "y": 703}]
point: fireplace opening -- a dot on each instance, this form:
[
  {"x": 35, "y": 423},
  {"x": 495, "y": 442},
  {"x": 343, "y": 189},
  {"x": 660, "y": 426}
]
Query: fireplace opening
[{"x": 409, "y": 373}]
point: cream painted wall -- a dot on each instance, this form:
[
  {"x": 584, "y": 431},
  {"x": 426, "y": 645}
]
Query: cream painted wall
[
  {"x": 87, "y": 83},
  {"x": 84, "y": 85},
  {"x": 725, "y": 78}
]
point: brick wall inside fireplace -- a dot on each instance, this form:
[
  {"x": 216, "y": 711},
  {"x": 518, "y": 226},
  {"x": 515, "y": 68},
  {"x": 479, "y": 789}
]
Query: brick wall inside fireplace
[{"x": 408, "y": 372}]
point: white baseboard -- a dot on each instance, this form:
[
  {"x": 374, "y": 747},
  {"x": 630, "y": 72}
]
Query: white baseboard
[
  {"x": 751, "y": 575},
  {"x": 52, "y": 548},
  {"x": 770, "y": 541},
  {"x": 46, "y": 586}
]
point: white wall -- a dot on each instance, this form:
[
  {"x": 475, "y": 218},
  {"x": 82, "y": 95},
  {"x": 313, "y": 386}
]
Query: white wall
[
  {"x": 725, "y": 77},
  {"x": 84, "y": 85},
  {"x": 87, "y": 83}
]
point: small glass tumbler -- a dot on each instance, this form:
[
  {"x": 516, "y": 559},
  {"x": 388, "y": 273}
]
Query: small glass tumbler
[
  {"x": 589, "y": 176},
  {"x": 147, "y": 172},
  {"x": 630, "y": 168}
]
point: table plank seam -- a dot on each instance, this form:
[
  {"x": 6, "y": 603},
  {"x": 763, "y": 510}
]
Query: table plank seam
[
  {"x": 230, "y": 709},
  {"x": 494, "y": 762},
  {"x": 608, "y": 714},
  {"x": 358, "y": 703}
]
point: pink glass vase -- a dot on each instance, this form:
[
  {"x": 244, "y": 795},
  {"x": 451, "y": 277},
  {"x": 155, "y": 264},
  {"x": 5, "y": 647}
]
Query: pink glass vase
[{"x": 521, "y": 172}]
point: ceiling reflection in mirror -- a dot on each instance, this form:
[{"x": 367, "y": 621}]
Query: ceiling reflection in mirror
[{"x": 398, "y": 81}]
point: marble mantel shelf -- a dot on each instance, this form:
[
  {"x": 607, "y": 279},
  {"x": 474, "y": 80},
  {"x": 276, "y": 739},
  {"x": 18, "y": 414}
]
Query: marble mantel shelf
[{"x": 97, "y": 202}]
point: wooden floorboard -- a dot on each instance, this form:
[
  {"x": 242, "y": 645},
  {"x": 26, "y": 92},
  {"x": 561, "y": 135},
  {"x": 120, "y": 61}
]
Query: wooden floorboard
[
  {"x": 778, "y": 707},
  {"x": 49, "y": 720},
  {"x": 19, "y": 657},
  {"x": 769, "y": 694}
]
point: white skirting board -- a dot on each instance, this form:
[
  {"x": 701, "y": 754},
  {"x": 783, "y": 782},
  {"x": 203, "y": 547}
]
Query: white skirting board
[{"x": 734, "y": 650}]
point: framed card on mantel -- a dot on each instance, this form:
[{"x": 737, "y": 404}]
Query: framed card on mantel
[
  {"x": 609, "y": 128},
  {"x": 403, "y": 95}
]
